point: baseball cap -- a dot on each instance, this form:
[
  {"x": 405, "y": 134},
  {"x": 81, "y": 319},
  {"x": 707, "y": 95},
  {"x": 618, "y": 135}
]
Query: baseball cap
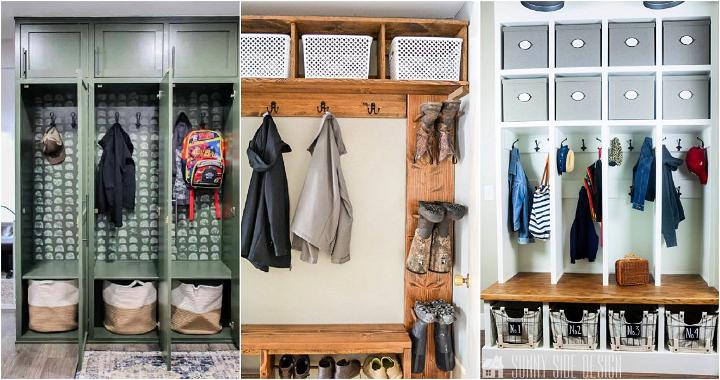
[
  {"x": 53, "y": 146},
  {"x": 696, "y": 161}
]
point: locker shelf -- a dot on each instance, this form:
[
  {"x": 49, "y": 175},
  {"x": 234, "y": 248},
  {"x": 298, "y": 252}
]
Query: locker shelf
[
  {"x": 131, "y": 270},
  {"x": 102, "y": 335},
  {"x": 52, "y": 270},
  {"x": 588, "y": 288},
  {"x": 224, "y": 336},
  {"x": 39, "y": 337},
  {"x": 208, "y": 270}
]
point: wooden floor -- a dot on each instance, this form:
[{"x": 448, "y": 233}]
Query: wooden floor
[
  {"x": 58, "y": 361},
  {"x": 588, "y": 288}
]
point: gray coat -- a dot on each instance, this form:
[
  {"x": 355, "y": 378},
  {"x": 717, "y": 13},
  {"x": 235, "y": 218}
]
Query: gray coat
[{"x": 323, "y": 218}]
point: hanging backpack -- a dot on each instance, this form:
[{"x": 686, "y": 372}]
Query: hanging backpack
[
  {"x": 203, "y": 162},
  {"x": 539, "y": 225}
]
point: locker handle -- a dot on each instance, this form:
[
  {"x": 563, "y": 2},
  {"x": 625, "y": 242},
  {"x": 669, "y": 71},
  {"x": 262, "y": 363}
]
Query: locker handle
[
  {"x": 97, "y": 62},
  {"x": 25, "y": 63},
  {"x": 172, "y": 64}
]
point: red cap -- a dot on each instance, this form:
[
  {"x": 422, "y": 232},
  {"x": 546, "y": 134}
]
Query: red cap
[{"x": 696, "y": 161}]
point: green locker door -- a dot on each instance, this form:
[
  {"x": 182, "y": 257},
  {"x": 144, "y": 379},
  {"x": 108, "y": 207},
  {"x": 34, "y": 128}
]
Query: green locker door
[
  {"x": 233, "y": 197},
  {"x": 128, "y": 50},
  {"x": 53, "y": 50},
  {"x": 204, "y": 50},
  {"x": 83, "y": 157},
  {"x": 165, "y": 174}
]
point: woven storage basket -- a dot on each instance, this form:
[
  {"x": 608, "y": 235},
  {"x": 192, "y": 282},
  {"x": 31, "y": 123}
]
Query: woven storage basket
[
  {"x": 264, "y": 55},
  {"x": 632, "y": 270},
  {"x": 130, "y": 309},
  {"x": 196, "y": 309},
  {"x": 425, "y": 58},
  {"x": 632, "y": 336},
  {"x": 579, "y": 334},
  {"x": 336, "y": 56},
  {"x": 690, "y": 337},
  {"x": 524, "y": 331},
  {"x": 53, "y": 305}
]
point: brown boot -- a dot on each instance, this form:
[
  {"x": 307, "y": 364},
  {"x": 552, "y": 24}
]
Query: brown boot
[
  {"x": 425, "y": 139},
  {"x": 447, "y": 128},
  {"x": 418, "y": 259},
  {"x": 441, "y": 250}
]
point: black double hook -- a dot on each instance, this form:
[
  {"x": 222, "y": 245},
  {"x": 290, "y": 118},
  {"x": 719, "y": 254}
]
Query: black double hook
[
  {"x": 202, "y": 119},
  {"x": 537, "y": 147},
  {"x": 323, "y": 107},
  {"x": 513, "y": 144},
  {"x": 73, "y": 120},
  {"x": 583, "y": 147},
  {"x": 630, "y": 146},
  {"x": 52, "y": 119},
  {"x": 117, "y": 117},
  {"x": 273, "y": 108},
  {"x": 561, "y": 142},
  {"x": 678, "y": 146},
  {"x": 702, "y": 143},
  {"x": 371, "y": 108},
  {"x": 137, "y": 120}
]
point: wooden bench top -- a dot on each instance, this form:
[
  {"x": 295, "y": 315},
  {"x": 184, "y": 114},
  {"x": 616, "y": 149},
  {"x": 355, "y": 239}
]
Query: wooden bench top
[
  {"x": 588, "y": 288},
  {"x": 324, "y": 339}
]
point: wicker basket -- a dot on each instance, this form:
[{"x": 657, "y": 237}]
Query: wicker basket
[
  {"x": 130, "y": 309},
  {"x": 632, "y": 270},
  {"x": 53, "y": 305},
  {"x": 580, "y": 332},
  {"x": 196, "y": 309},
  {"x": 682, "y": 336},
  {"x": 523, "y": 330}
]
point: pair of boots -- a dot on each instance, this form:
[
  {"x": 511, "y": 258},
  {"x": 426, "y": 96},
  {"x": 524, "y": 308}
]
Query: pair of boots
[
  {"x": 443, "y": 315},
  {"x": 436, "y": 126},
  {"x": 431, "y": 247}
]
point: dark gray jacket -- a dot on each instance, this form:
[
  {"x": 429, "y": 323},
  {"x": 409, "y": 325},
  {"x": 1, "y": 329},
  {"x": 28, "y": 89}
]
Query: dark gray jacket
[
  {"x": 115, "y": 179},
  {"x": 672, "y": 209},
  {"x": 265, "y": 231}
]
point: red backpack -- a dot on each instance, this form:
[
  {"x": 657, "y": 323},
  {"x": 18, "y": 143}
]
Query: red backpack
[{"x": 203, "y": 163}]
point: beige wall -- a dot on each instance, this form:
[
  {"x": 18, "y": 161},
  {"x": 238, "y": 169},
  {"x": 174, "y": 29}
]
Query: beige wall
[{"x": 368, "y": 288}]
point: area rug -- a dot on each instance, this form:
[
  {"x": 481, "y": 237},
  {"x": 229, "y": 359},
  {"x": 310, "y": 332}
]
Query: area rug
[{"x": 150, "y": 365}]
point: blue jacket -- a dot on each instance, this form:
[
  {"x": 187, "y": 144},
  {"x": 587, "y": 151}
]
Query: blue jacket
[
  {"x": 520, "y": 200},
  {"x": 672, "y": 209},
  {"x": 643, "y": 183}
]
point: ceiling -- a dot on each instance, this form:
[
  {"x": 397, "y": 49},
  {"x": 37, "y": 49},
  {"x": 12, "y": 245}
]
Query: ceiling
[
  {"x": 12, "y": 9},
  {"x": 412, "y": 9}
]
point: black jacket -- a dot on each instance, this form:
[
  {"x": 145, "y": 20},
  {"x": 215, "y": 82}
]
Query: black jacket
[
  {"x": 583, "y": 238},
  {"x": 265, "y": 231},
  {"x": 115, "y": 178}
]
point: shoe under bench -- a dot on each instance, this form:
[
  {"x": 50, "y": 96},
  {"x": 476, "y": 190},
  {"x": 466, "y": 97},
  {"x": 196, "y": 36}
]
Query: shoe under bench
[{"x": 331, "y": 339}]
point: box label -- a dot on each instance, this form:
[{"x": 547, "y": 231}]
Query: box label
[
  {"x": 692, "y": 332},
  {"x": 632, "y": 330},
  {"x": 575, "y": 329},
  {"x": 515, "y": 328}
]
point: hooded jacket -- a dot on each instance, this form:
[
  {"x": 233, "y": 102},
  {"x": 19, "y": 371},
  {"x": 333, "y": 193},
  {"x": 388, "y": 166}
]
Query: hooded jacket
[
  {"x": 323, "y": 218},
  {"x": 672, "y": 209},
  {"x": 265, "y": 229},
  {"x": 583, "y": 238},
  {"x": 115, "y": 179}
]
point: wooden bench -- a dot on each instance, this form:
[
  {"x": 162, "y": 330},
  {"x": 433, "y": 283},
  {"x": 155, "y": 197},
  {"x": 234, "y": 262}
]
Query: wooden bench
[{"x": 270, "y": 340}]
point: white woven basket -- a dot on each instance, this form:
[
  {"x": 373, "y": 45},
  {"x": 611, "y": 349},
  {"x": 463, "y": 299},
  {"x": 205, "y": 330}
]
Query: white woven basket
[
  {"x": 336, "y": 56},
  {"x": 264, "y": 55},
  {"x": 425, "y": 58}
]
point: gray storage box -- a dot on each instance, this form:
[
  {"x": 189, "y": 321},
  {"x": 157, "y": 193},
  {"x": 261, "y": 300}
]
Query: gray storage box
[
  {"x": 631, "y": 98},
  {"x": 524, "y": 99},
  {"x": 525, "y": 47},
  {"x": 578, "y": 98},
  {"x": 686, "y": 42},
  {"x": 686, "y": 97},
  {"x": 632, "y": 44},
  {"x": 577, "y": 45}
]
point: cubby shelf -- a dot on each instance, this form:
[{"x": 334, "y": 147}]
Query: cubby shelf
[
  {"x": 588, "y": 288},
  {"x": 52, "y": 270},
  {"x": 355, "y": 86},
  {"x": 120, "y": 270},
  {"x": 208, "y": 270},
  {"x": 224, "y": 336},
  {"x": 102, "y": 335}
]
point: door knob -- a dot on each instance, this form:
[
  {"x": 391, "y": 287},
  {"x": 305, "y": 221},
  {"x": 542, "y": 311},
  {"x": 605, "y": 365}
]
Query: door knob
[{"x": 459, "y": 280}]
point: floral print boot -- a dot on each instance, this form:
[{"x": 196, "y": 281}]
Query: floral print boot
[
  {"x": 441, "y": 249},
  {"x": 418, "y": 259}
]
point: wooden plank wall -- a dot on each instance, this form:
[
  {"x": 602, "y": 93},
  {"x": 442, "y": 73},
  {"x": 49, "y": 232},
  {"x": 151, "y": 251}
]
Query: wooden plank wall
[{"x": 426, "y": 183}]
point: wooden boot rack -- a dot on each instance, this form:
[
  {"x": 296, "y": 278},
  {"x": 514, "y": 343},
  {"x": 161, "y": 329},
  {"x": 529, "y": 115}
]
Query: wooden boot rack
[{"x": 377, "y": 97}]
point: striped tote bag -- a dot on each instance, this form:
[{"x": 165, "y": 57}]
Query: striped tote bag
[{"x": 540, "y": 213}]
